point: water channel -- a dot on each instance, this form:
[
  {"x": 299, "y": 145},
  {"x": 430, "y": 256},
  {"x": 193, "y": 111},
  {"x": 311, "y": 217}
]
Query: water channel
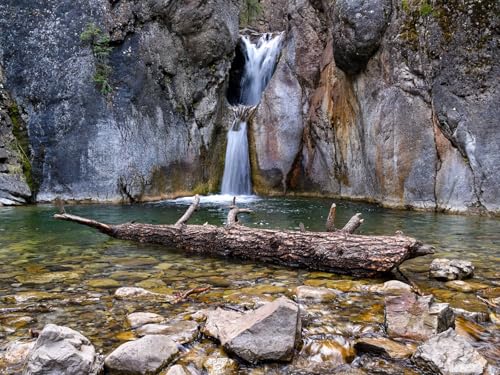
[{"x": 63, "y": 273}]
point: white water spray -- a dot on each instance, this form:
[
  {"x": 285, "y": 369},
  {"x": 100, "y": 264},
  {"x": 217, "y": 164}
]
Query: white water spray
[{"x": 260, "y": 62}]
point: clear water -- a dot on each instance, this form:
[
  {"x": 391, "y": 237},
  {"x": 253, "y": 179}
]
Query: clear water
[{"x": 49, "y": 269}]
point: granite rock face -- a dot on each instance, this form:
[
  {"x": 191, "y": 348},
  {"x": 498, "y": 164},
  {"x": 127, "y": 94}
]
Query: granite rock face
[
  {"x": 152, "y": 134},
  {"x": 398, "y": 106},
  {"x": 61, "y": 350}
]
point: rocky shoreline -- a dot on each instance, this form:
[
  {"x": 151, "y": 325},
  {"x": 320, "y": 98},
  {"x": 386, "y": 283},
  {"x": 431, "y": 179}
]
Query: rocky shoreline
[{"x": 419, "y": 336}]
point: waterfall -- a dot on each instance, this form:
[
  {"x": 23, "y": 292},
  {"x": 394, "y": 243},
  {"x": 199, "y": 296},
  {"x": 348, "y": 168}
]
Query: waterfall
[{"x": 260, "y": 62}]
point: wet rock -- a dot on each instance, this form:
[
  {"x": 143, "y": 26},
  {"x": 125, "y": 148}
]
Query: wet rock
[
  {"x": 138, "y": 319},
  {"x": 390, "y": 287},
  {"x": 382, "y": 366},
  {"x": 414, "y": 317},
  {"x": 449, "y": 353},
  {"x": 459, "y": 285},
  {"x": 49, "y": 277},
  {"x": 324, "y": 356},
  {"x": 61, "y": 350},
  {"x": 177, "y": 370},
  {"x": 133, "y": 293},
  {"x": 268, "y": 333},
  {"x": 475, "y": 316},
  {"x": 220, "y": 364},
  {"x": 446, "y": 269},
  {"x": 14, "y": 355},
  {"x": 310, "y": 294},
  {"x": 358, "y": 27},
  {"x": 144, "y": 356},
  {"x": 181, "y": 332},
  {"x": 151, "y": 284},
  {"x": 383, "y": 346}
]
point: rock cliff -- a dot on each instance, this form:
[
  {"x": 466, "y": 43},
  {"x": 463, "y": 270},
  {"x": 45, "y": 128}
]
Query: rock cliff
[
  {"x": 398, "y": 103},
  {"x": 155, "y": 132},
  {"x": 391, "y": 101}
]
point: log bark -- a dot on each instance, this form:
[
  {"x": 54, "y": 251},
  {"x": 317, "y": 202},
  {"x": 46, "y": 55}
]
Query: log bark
[{"x": 338, "y": 252}]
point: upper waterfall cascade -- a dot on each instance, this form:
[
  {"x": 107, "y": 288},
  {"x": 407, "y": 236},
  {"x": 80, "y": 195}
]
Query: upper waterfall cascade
[{"x": 260, "y": 62}]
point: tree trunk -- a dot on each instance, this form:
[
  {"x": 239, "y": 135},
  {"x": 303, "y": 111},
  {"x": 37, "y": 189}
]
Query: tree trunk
[{"x": 338, "y": 252}]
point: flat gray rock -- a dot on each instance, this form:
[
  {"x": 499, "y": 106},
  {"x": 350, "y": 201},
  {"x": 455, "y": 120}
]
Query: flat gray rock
[
  {"x": 266, "y": 334},
  {"x": 138, "y": 319},
  {"x": 62, "y": 351},
  {"x": 147, "y": 355},
  {"x": 449, "y": 354},
  {"x": 391, "y": 287},
  {"x": 181, "y": 332}
]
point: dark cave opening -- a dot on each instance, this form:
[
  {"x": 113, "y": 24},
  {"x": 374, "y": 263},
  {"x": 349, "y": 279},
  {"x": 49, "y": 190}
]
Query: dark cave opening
[{"x": 233, "y": 93}]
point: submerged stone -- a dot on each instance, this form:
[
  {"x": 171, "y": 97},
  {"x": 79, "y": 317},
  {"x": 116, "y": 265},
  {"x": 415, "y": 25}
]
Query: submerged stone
[
  {"x": 319, "y": 294},
  {"x": 103, "y": 283},
  {"x": 384, "y": 346},
  {"x": 391, "y": 287}
]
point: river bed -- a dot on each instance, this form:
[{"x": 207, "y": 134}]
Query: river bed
[{"x": 63, "y": 273}]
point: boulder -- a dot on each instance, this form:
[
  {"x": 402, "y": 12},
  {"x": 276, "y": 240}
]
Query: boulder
[
  {"x": 383, "y": 346},
  {"x": 311, "y": 294},
  {"x": 181, "y": 332},
  {"x": 266, "y": 334},
  {"x": 449, "y": 354},
  {"x": 446, "y": 269},
  {"x": 62, "y": 351},
  {"x": 138, "y": 319},
  {"x": 414, "y": 317},
  {"x": 14, "y": 355},
  {"x": 144, "y": 356},
  {"x": 358, "y": 27}
]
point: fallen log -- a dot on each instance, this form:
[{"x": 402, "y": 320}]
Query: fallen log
[{"x": 338, "y": 252}]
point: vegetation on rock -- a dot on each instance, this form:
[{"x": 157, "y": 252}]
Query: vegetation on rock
[{"x": 99, "y": 43}]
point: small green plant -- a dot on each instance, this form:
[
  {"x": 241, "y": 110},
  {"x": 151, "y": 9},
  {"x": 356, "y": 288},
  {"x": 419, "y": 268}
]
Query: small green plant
[
  {"x": 99, "y": 43},
  {"x": 425, "y": 8},
  {"x": 405, "y": 5},
  {"x": 250, "y": 11}
]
